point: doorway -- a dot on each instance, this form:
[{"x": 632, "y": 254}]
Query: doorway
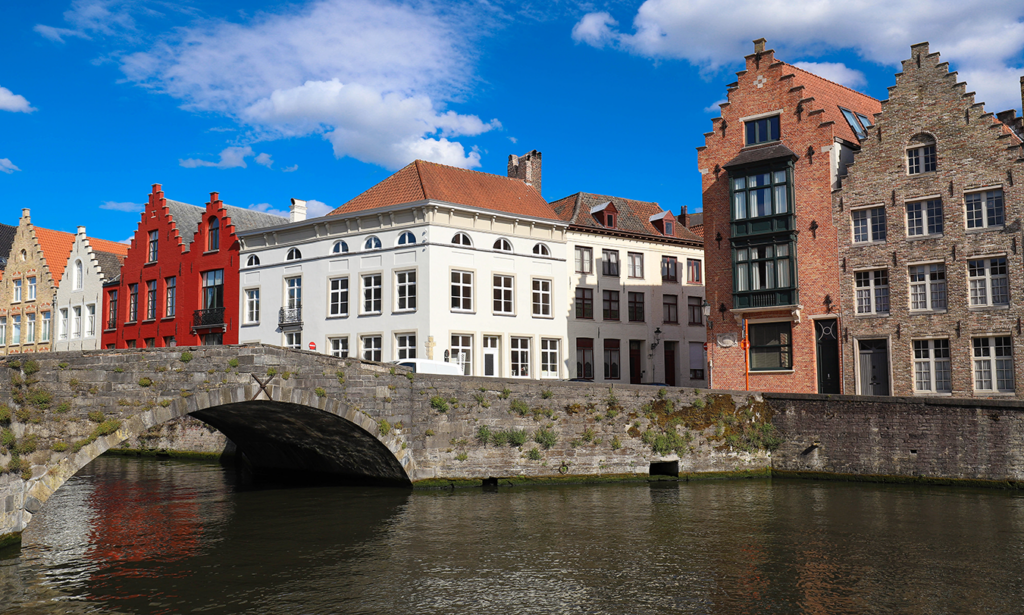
[
  {"x": 635, "y": 373},
  {"x": 491, "y": 355},
  {"x": 874, "y": 367},
  {"x": 826, "y": 335},
  {"x": 670, "y": 363}
]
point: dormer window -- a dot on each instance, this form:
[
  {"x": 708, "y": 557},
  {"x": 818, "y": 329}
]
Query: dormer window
[
  {"x": 605, "y": 214},
  {"x": 609, "y": 220},
  {"x": 854, "y": 120},
  {"x": 763, "y": 130},
  {"x": 664, "y": 223},
  {"x": 669, "y": 230},
  {"x": 213, "y": 235}
]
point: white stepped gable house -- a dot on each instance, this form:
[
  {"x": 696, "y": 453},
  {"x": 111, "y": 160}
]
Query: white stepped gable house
[
  {"x": 636, "y": 292},
  {"x": 79, "y": 299},
  {"x": 434, "y": 262}
]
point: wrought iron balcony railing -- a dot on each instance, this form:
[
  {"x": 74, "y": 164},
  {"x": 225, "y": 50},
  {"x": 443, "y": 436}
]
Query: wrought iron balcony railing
[
  {"x": 290, "y": 315},
  {"x": 211, "y": 317}
]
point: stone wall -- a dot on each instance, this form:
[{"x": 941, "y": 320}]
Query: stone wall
[
  {"x": 893, "y": 438},
  {"x": 183, "y": 437}
]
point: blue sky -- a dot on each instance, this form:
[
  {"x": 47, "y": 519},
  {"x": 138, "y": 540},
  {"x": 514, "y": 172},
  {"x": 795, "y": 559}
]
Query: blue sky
[{"x": 320, "y": 100}]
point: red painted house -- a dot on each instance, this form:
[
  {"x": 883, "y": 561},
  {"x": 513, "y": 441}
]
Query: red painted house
[{"x": 179, "y": 283}]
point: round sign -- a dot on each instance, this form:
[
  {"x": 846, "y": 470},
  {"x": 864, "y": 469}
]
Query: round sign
[
  {"x": 705, "y": 345},
  {"x": 312, "y": 345}
]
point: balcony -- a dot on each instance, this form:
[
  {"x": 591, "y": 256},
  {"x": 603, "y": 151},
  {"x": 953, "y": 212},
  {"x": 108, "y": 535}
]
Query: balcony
[
  {"x": 290, "y": 316},
  {"x": 765, "y": 298},
  {"x": 205, "y": 319}
]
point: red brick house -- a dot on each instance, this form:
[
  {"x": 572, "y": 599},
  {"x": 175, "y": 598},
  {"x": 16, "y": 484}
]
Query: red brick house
[
  {"x": 179, "y": 283},
  {"x": 769, "y": 167}
]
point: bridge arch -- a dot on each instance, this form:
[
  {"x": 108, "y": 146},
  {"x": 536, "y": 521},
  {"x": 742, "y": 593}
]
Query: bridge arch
[{"x": 278, "y": 428}]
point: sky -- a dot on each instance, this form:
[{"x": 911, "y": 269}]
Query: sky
[{"x": 320, "y": 100}]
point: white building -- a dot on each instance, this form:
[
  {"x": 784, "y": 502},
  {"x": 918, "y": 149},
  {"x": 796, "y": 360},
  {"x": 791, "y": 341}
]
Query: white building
[
  {"x": 78, "y": 304},
  {"x": 636, "y": 293},
  {"x": 434, "y": 262}
]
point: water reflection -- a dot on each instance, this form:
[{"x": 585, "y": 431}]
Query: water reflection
[{"x": 143, "y": 536}]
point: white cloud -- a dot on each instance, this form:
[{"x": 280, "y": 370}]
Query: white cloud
[
  {"x": 513, "y": 140},
  {"x": 373, "y": 77},
  {"x": 265, "y": 160},
  {"x": 57, "y": 34},
  {"x": 314, "y": 209},
  {"x": 981, "y": 41},
  {"x": 127, "y": 241},
  {"x": 290, "y": 169},
  {"x": 6, "y": 166},
  {"x": 714, "y": 107},
  {"x": 9, "y": 101},
  {"x": 230, "y": 158},
  {"x": 124, "y": 206},
  {"x": 835, "y": 71}
]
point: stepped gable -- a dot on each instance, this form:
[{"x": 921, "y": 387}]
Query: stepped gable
[
  {"x": 633, "y": 217},
  {"x": 187, "y": 218},
  {"x": 422, "y": 180},
  {"x": 830, "y": 96}
]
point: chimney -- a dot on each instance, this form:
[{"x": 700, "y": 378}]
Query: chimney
[
  {"x": 526, "y": 168},
  {"x": 684, "y": 217},
  {"x": 297, "y": 212},
  {"x": 759, "y": 45},
  {"x": 1022, "y": 95}
]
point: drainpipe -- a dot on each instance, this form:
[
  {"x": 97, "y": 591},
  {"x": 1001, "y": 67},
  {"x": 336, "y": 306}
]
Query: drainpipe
[{"x": 746, "y": 356}]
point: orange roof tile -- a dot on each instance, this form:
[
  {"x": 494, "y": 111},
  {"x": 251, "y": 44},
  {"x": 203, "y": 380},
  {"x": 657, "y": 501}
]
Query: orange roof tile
[
  {"x": 829, "y": 96},
  {"x": 56, "y": 247},
  {"x": 698, "y": 230},
  {"x": 422, "y": 180},
  {"x": 105, "y": 245}
]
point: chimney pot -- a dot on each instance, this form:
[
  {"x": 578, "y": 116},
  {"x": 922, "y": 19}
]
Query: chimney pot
[
  {"x": 297, "y": 211},
  {"x": 759, "y": 45}
]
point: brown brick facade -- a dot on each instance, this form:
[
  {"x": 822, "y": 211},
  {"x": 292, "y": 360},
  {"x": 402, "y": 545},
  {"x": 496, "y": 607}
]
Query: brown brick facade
[
  {"x": 807, "y": 108},
  {"x": 975, "y": 153}
]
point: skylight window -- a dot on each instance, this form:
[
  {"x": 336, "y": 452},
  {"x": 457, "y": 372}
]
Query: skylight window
[{"x": 851, "y": 119}]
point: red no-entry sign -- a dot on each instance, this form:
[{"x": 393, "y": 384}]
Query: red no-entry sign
[{"x": 312, "y": 345}]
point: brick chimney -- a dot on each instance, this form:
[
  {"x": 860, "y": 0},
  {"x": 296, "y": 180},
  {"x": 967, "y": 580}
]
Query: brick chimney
[
  {"x": 684, "y": 217},
  {"x": 759, "y": 45},
  {"x": 526, "y": 168}
]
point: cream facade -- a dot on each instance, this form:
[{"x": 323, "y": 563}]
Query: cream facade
[
  {"x": 26, "y": 294},
  {"x": 427, "y": 279}
]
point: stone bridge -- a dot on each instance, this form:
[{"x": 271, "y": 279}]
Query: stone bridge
[{"x": 301, "y": 414}]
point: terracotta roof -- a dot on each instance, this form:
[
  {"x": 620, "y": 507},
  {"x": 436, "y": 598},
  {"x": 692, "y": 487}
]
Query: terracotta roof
[
  {"x": 829, "y": 96},
  {"x": 698, "y": 230},
  {"x": 422, "y": 180},
  {"x": 56, "y": 247},
  {"x": 634, "y": 216}
]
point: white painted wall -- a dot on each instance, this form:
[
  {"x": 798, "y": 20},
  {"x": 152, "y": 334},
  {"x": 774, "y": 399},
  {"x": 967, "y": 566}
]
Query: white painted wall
[
  {"x": 599, "y": 329},
  {"x": 71, "y": 295},
  {"x": 433, "y": 258}
]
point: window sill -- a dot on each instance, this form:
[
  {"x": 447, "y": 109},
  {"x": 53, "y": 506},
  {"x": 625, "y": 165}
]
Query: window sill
[
  {"x": 761, "y": 144},
  {"x": 925, "y": 174},
  {"x": 929, "y": 236},
  {"x": 148, "y": 321},
  {"x": 468, "y": 312},
  {"x": 864, "y": 244},
  {"x": 131, "y": 322},
  {"x": 393, "y": 312},
  {"x": 542, "y": 317},
  {"x": 171, "y": 317},
  {"x": 110, "y": 330},
  {"x": 149, "y": 263},
  {"x": 670, "y": 322},
  {"x": 695, "y": 324},
  {"x": 211, "y": 252},
  {"x": 869, "y": 316},
  {"x": 984, "y": 229},
  {"x": 987, "y": 308},
  {"x": 251, "y": 324},
  {"x": 932, "y": 394},
  {"x": 337, "y": 317},
  {"x": 928, "y": 312},
  {"x": 772, "y": 371},
  {"x": 502, "y": 314},
  {"x": 370, "y": 314},
  {"x": 995, "y": 393}
]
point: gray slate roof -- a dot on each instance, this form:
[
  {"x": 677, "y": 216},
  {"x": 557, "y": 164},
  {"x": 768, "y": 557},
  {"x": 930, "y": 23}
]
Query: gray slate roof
[
  {"x": 697, "y": 219},
  {"x": 110, "y": 264},
  {"x": 760, "y": 154},
  {"x": 7, "y": 233},
  {"x": 187, "y": 218}
]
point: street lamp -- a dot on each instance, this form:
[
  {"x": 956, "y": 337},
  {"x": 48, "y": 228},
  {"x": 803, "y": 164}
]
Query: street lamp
[
  {"x": 706, "y": 308},
  {"x": 657, "y": 338}
]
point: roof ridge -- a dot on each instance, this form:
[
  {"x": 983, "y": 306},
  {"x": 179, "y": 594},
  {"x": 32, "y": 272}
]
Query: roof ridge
[
  {"x": 847, "y": 88},
  {"x": 419, "y": 177},
  {"x": 622, "y": 198},
  {"x": 448, "y": 166}
]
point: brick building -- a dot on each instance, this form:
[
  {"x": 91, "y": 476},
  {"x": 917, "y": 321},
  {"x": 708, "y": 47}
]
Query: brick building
[
  {"x": 179, "y": 282},
  {"x": 768, "y": 169},
  {"x": 929, "y": 222}
]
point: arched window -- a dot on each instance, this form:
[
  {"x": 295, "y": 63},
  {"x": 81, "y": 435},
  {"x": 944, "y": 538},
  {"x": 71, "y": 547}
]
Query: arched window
[
  {"x": 340, "y": 247},
  {"x": 541, "y": 249},
  {"x": 213, "y": 235},
  {"x": 371, "y": 243},
  {"x": 503, "y": 245},
  {"x": 462, "y": 239},
  {"x": 406, "y": 238},
  {"x": 23, "y": 255},
  {"x": 921, "y": 154},
  {"x": 78, "y": 275},
  {"x": 293, "y": 255},
  {"x": 253, "y": 261}
]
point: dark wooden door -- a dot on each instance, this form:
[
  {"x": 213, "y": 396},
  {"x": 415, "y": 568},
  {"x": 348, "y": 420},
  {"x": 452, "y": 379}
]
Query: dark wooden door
[
  {"x": 826, "y": 333},
  {"x": 635, "y": 373},
  {"x": 670, "y": 364},
  {"x": 874, "y": 367}
]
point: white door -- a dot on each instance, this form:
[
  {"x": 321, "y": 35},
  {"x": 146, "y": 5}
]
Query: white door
[{"x": 491, "y": 354}]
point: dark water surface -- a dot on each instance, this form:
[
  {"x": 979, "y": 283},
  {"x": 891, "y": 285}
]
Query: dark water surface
[{"x": 147, "y": 536}]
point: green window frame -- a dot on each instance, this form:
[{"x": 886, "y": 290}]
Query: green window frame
[{"x": 761, "y": 193}]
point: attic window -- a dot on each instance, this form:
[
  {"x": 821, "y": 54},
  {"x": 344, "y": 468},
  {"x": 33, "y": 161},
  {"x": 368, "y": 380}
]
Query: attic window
[
  {"x": 668, "y": 228},
  {"x": 503, "y": 245},
  {"x": 253, "y": 261},
  {"x": 763, "y": 130},
  {"x": 854, "y": 120},
  {"x": 609, "y": 220},
  {"x": 293, "y": 255}
]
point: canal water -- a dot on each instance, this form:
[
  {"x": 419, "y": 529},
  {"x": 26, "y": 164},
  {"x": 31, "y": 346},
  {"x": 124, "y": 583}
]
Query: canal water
[{"x": 150, "y": 536}]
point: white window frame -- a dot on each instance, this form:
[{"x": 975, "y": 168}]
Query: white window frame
[
  {"x": 932, "y": 366},
  {"x": 62, "y": 326},
  {"x": 293, "y": 340},
  {"x": 405, "y": 346},
  {"x": 519, "y": 360},
  {"x": 993, "y": 372},
  {"x": 32, "y": 288},
  {"x": 17, "y": 292},
  {"x": 503, "y": 245},
  {"x": 3, "y": 330},
  {"x": 90, "y": 320},
  {"x": 550, "y": 357},
  {"x": 30, "y": 328},
  {"x": 44, "y": 335},
  {"x": 371, "y": 283},
  {"x": 930, "y": 222},
  {"x": 928, "y": 287},
  {"x": 920, "y": 155},
  {"x": 78, "y": 275},
  {"x": 293, "y": 292},
  {"x": 152, "y": 288},
  {"x": 340, "y": 247},
  {"x": 465, "y": 290},
  {"x": 251, "y": 307},
  {"x": 635, "y": 264},
  {"x": 462, "y": 239},
  {"x": 153, "y": 247},
  {"x": 461, "y": 352},
  {"x": 338, "y": 297},
  {"x": 982, "y": 199},
  {"x": 16, "y": 330},
  {"x": 405, "y": 290},
  {"x": 981, "y": 287},
  {"x": 869, "y": 216},
  {"x": 76, "y": 322},
  {"x": 338, "y": 346},
  {"x": 370, "y": 344},
  {"x": 542, "y": 298},
  {"x": 873, "y": 291},
  {"x": 506, "y": 286},
  {"x": 372, "y": 243},
  {"x": 406, "y": 238},
  {"x": 541, "y": 249}
]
